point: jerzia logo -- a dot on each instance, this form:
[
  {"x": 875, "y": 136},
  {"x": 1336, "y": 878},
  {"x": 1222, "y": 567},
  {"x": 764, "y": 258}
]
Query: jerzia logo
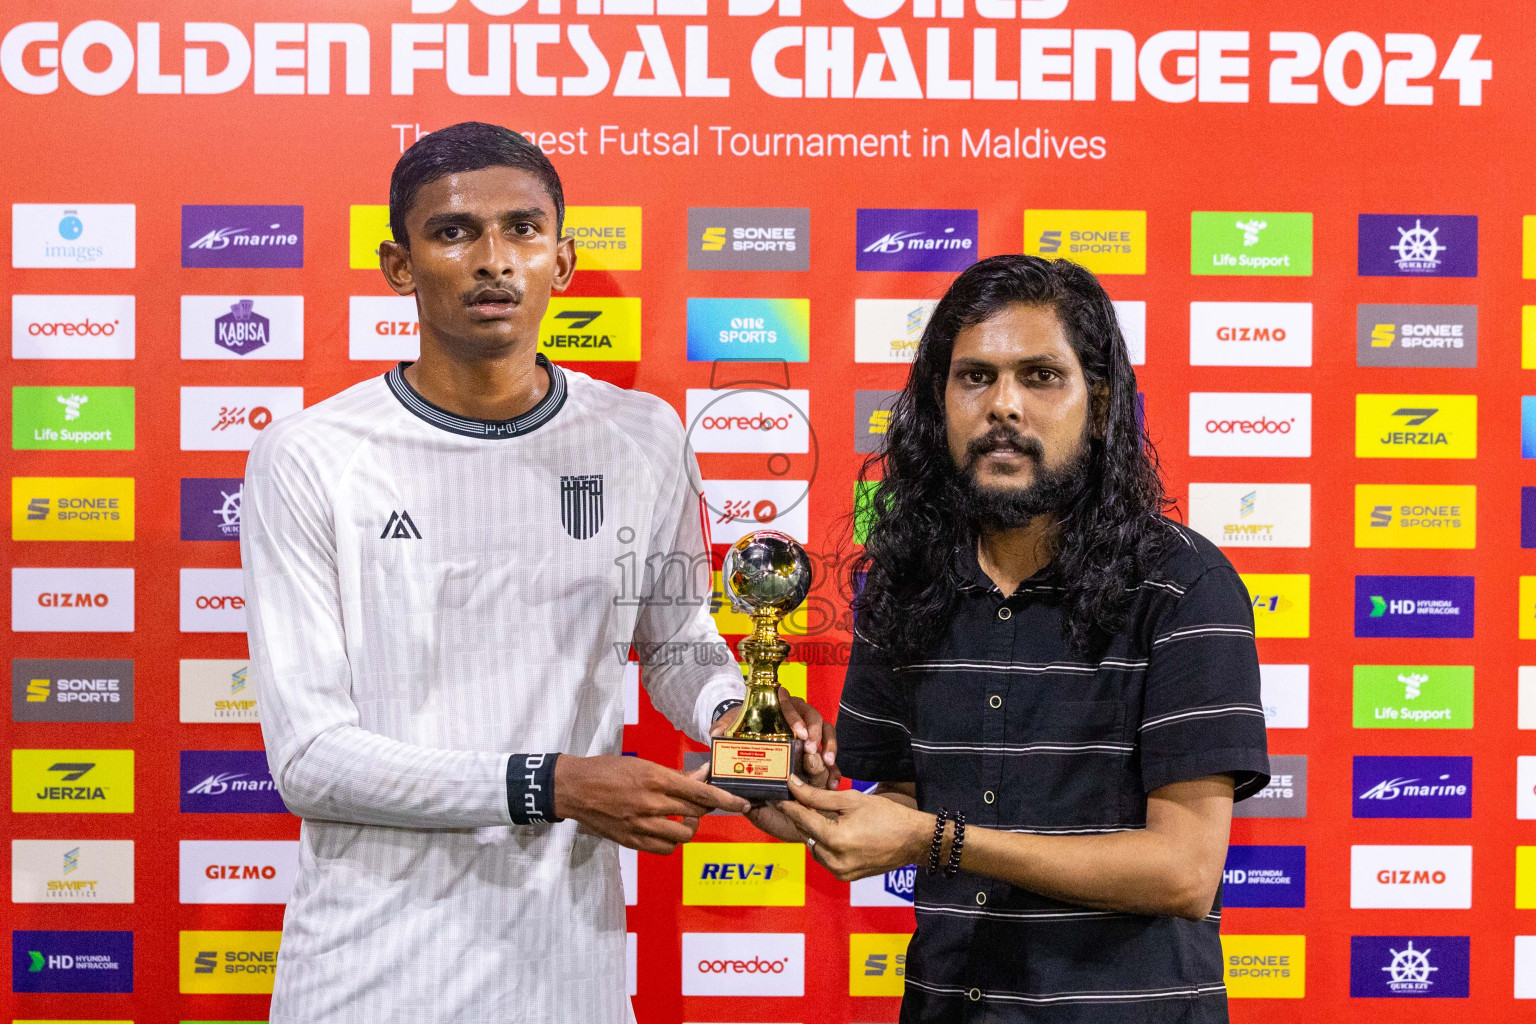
[
  {"x": 400, "y": 527},
  {"x": 581, "y": 505}
]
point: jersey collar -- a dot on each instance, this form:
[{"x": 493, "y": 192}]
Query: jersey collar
[{"x": 468, "y": 426}]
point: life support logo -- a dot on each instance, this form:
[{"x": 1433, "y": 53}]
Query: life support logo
[{"x": 743, "y": 964}]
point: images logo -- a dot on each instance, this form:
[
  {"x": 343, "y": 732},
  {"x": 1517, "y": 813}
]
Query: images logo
[
  {"x": 217, "y": 690},
  {"x": 1265, "y": 876},
  {"x": 871, "y": 419},
  {"x": 1285, "y": 692},
  {"x": 1265, "y": 966},
  {"x": 1410, "y": 877},
  {"x": 1413, "y": 787},
  {"x": 71, "y": 690},
  {"x": 1104, "y": 241},
  {"x": 877, "y": 964},
  {"x": 1418, "y": 966},
  {"x": 228, "y": 962},
  {"x": 243, "y": 236},
  {"x": 383, "y": 327},
  {"x": 895, "y": 888},
  {"x": 1399, "y": 245},
  {"x": 1251, "y": 243},
  {"x": 1413, "y": 696},
  {"x": 749, "y": 238},
  {"x": 1416, "y": 426},
  {"x": 751, "y": 329},
  {"x": 212, "y": 601},
  {"x": 238, "y": 871},
  {"x": 743, "y": 964},
  {"x": 743, "y": 875},
  {"x": 1391, "y": 335},
  {"x": 228, "y": 781},
  {"x": 591, "y": 329},
  {"x": 72, "y": 326},
  {"x": 607, "y": 237},
  {"x": 1250, "y": 334},
  {"x": 72, "y": 600},
  {"x": 1253, "y": 515},
  {"x": 71, "y": 508},
  {"x": 1415, "y": 516},
  {"x": 1286, "y": 794},
  {"x": 748, "y": 420},
  {"x": 1414, "y": 606},
  {"x": 1254, "y": 424},
  {"x": 224, "y": 419},
  {"x": 210, "y": 508},
  {"x": 236, "y": 327},
  {"x": 1282, "y": 603},
  {"x": 71, "y": 961},
  {"x": 71, "y": 781},
  {"x": 71, "y": 871},
  {"x": 737, "y": 507},
  {"x": 916, "y": 239},
  {"x": 72, "y": 236},
  {"x": 369, "y": 226},
  {"x": 71, "y": 419},
  {"x": 889, "y": 330}
]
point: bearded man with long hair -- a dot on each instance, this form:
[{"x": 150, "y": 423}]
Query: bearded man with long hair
[{"x": 1055, "y": 685}]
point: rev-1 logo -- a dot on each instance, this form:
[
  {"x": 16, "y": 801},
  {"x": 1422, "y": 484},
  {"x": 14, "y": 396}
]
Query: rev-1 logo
[{"x": 737, "y": 872}]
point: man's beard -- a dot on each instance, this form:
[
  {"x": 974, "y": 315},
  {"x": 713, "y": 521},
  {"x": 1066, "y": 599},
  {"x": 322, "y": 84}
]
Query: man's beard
[{"x": 1049, "y": 492}]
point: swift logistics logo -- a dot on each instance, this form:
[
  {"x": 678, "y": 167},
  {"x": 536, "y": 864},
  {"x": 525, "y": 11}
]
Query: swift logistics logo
[
  {"x": 1250, "y": 334},
  {"x": 1282, "y": 604},
  {"x": 73, "y": 236},
  {"x": 1410, "y": 877},
  {"x": 591, "y": 329},
  {"x": 71, "y": 961},
  {"x": 1272, "y": 244},
  {"x": 743, "y": 875},
  {"x": 72, "y": 418},
  {"x": 72, "y": 326},
  {"x": 750, "y": 329},
  {"x": 895, "y": 888},
  {"x": 368, "y": 226},
  {"x": 90, "y": 508},
  {"x": 383, "y": 327},
  {"x": 1264, "y": 876},
  {"x": 944, "y": 240},
  {"x": 238, "y": 871},
  {"x": 1413, "y": 696},
  {"x": 1412, "y": 787},
  {"x": 248, "y": 237},
  {"x": 743, "y": 964},
  {"x": 749, "y": 238},
  {"x": 228, "y": 962},
  {"x": 70, "y": 871},
  {"x": 607, "y": 237},
  {"x": 1414, "y": 606},
  {"x": 889, "y": 330},
  {"x": 1250, "y": 424},
  {"x": 877, "y": 963},
  {"x": 210, "y": 507},
  {"x": 1104, "y": 241},
  {"x": 1265, "y": 966},
  {"x": 217, "y": 690},
  {"x": 1409, "y": 966},
  {"x": 1415, "y": 426},
  {"x": 71, "y": 781},
  {"x": 1415, "y": 516},
  {"x": 1409, "y": 245},
  {"x": 1286, "y": 794},
  {"x": 1402, "y": 335},
  {"x": 242, "y": 327},
  {"x": 71, "y": 690},
  {"x": 1252, "y": 515},
  {"x": 72, "y": 600},
  {"x": 228, "y": 782}
]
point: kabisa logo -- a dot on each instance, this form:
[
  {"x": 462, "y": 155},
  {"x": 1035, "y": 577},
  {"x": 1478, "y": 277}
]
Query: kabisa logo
[
  {"x": 76, "y": 235},
  {"x": 1104, "y": 241},
  {"x": 71, "y": 961},
  {"x": 242, "y": 236},
  {"x": 749, "y": 238},
  {"x": 1414, "y": 606},
  {"x": 233, "y": 962},
  {"x": 1265, "y": 424},
  {"x": 72, "y": 418},
  {"x": 1253, "y": 515},
  {"x": 72, "y": 326},
  {"x": 1265, "y": 876},
  {"x": 1415, "y": 426},
  {"x": 1251, "y": 243},
  {"x": 242, "y": 327},
  {"x": 228, "y": 781},
  {"x": 1397, "y": 335},
  {"x": 71, "y": 690},
  {"x": 1412, "y": 787},
  {"x": 748, "y": 420},
  {"x": 750, "y": 329},
  {"x": 1413, "y": 696},
  {"x": 238, "y": 871},
  {"x": 896, "y": 888},
  {"x": 889, "y": 330},
  {"x": 743, "y": 963},
  {"x": 71, "y": 781},
  {"x": 916, "y": 239},
  {"x": 607, "y": 237},
  {"x": 1409, "y": 245},
  {"x": 593, "y": 329},
  {"x": 1415, "y": 516},
  {"x": 744, "y": 875},
  {"x": 210, "y": 508},
  {"x": 1250, "y": 334},
  {"x": 94, "y": 508},
  {"x": 1286, "y": 794},
  {"x": 1410, "y": 877},
  {"x": 241, "y": 330},
  {"x": 1411, "y": 966},
  {"x": 383, "y": 327}
]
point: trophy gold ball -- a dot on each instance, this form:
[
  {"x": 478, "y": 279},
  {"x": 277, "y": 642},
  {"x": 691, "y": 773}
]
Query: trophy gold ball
[{"x": 766, "y": 574}]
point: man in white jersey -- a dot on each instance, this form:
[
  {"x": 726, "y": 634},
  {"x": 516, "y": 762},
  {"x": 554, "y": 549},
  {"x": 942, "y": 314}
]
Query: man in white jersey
[{"x": 434, "y": 565}]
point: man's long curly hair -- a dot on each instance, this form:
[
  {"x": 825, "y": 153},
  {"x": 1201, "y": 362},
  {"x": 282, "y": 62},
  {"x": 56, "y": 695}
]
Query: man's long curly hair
[{"x": 903, "y": 584}]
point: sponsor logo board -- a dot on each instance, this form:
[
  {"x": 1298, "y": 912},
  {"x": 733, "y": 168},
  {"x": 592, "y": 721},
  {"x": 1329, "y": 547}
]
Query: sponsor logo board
[
  {"x": 1249, "y": 244},
  {"x": 1282, "y": 604},
  {"x": 872, "y": 419},
  {"x": 749, "y": 329},
  {"x": 1252, "y": 515},
  {"x": 889, "y": 330},
  {"x": 72, "y": 600},
  {"x": 227, "y": 962},
  {"x": 877, "y": 963},
  {"x": 242, "y": 327},
  {"x": 1284, "y": 692},
  {"x": 383, "y": 327},
  {"x": 1415, "y": 335},
  {"x": 210, "y": 507},
  {"x": 368, "y": 225},
  {"x": 71, "y": 871},
  {"x": 71, "y": 961},
  {"x": 226, "y": 419},
  {"x": 737, "y": 507},
  {"x": 1410, "y": 877},
  {"x": 65, "y": 419},
  {"x": 217, "y": 690},
  {"x": 1415, "y": 516},
  {"x": 72, "y": 508},
  {"x": 1132, "y": 318},
  {"x": 212, "y": 601},
  {"x": 743, "y": 875},
  {"x": 72, "y": 327},
  {"x": 1412, "y": 787},
  {"x": 73, "y": 236},
  {"x": 603, "y": 329},
  {"x": 943, "y": 240},
  {"x": 71, "y": 690},
  {"x": 242, "y": 236},
  {"x": 1409, "y": 966},
  {"x": 1414, "y": 606},
  {"x": 1264, "y": 876},
  {"x": 895, "y": 888},
  {"x": 743, "y": 964},
  {"x": 749, "y": 238},
  {"x": 1416, "y": 426},
  {"x": 1417, "y": 245},
  {"x": 748, "y": 420},
  {"x": 1265, "y": 966}
]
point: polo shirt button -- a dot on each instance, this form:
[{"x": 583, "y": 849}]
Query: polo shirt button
[
  {"x": 981, "y": 899},
  {"x": 989, "y": 796},
  {"x": 974, "y": 995},
  {"x": 996, "y": 701},
  {"x": 1005, "y": 613}
]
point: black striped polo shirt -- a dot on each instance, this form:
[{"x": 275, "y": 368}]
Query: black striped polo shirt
[{"x": 1002, "y": 723}]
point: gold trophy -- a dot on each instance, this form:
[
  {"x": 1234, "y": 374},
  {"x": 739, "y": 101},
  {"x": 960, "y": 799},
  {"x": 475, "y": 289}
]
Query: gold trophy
[{"x": 766, "y": 575}]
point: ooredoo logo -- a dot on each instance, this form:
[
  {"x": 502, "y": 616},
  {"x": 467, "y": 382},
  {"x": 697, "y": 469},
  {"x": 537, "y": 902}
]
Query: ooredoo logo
[
  {"x": 1410, "y": 877},
  {"x": 212, "y": 601},
  {"x": 743, "y": 964},
  {"x": 72, "y": 326},
  {"x": 72, "y": 600},
  {"x": 748, "y": 420},
  {"x": 1250, "y": 424}
]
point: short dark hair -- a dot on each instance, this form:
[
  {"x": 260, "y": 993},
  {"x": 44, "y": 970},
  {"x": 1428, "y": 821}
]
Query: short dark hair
[{"x": 466, "y": 146}]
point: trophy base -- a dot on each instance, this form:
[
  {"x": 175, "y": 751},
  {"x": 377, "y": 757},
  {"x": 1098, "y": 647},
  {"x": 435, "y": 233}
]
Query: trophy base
[{"x": 755, "y": 769}]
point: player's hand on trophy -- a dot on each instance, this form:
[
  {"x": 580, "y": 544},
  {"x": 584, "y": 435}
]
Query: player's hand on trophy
[
  {"x": 818, "y": 759},
  {"x": 634, "y": 802},
  {"x": 857, "y": 835}
]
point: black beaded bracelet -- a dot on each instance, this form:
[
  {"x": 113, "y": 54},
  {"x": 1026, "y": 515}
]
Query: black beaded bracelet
[
  {"x": 938, "y": 841},
  {"x": 953, "y": 867}
]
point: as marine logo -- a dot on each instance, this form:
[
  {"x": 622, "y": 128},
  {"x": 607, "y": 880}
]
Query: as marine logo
[{"x": 581, "y": 505}]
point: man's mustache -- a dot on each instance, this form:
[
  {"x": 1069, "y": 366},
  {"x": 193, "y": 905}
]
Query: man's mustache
[{"x": 1003, "y": 439}]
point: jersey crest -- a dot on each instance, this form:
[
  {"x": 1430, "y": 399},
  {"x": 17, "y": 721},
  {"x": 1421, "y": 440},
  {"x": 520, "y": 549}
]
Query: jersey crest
[{"x": 581, "y": 505}]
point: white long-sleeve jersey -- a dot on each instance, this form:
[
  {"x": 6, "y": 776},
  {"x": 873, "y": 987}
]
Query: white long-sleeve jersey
[{"x": 428, "y": 594}]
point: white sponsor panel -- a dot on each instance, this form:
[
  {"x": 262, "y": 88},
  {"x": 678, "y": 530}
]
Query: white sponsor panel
[
  {"x": 72, "y": 327},
  {"x": 737, "y": 507},
  {"x": 72, "y": 236},
  {"x": 242, "y": 327},
  {"x": 71, "y": 871},
  {"x": 383, "y": 327},
  {"x": 1252, "y": 515},
  {"x": 1284, "y": 692},
  {"x": 889, "y": 330},
  {"x": 1250, "y": 334},
  {"x": 1250, "y": 424},
  {"x": 631, "y": 962},
  {"x": 743, "y": 964},
  {"x": 1525, "y": 787},
  {"x": 749, "y": 420},
  {"x": 1132, "y": 315},
  {"x": 631, "y": 693},
  {"x": 218, "y": 690},
  {"x": 1410, "y": 877},
  {"x": 883, "y": 890},
  {"x": 212, "y": 601},
  {"x": 629, "y": 873},
  {"x": 72, "y": 600},
  {"x": 228, "y": 419},
  {"x": 238, "y": 870},
  {"x": 1525, "y": 966},
  {"x": 1526, "y": 715}
]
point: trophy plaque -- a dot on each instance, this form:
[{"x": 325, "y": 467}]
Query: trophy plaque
[{"x": 766, "y": 575}]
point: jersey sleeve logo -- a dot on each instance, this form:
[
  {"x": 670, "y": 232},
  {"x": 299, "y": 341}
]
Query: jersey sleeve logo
[{"x": 581, "y": 505}]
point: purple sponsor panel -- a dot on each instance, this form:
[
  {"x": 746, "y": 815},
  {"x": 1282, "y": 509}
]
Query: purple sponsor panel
[
  {"x": 1265, "y": 876},
  {"x": 1410, "y": 966},
  {"x": 71, "y": 961},
  {"x": 210, "y": 508},
  {"x": 228, "y": 782},
  {"x": 943, "y": 240},
  {"x": 1414, "y": 606},
  {"x": 1413, "y": 787},
  {"x": 1528, "y": 517},
  {"x": 1417, "y": 245},
  {"x": 242, "y": 236}
]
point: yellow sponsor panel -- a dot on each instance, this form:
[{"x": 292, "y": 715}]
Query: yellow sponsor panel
[
  {"x": 1104, "y": 241},
  {"x": 369, "y": 227},
  {"x": 72, "y": 508},
  {"x": 791, "y": 677},
  {"x": 744, "y": 875},
  {"x": 71, "y": 781},
  {"x": 877, "y": 963},
  {"x": 1415, "y": 516},
  {"x": 1525, "y": 878},
  {"x": 1528, "y": 607},
  {"x": 607, "y": 237},
  {"x": 1528, "y": 337},
  {"x": 591, "y": 330},
  {"x": 1528, "y": 247},
  {"x": 1265, "y": 966},
  {"x": 1416, "y": 426},
  {"x": 235, "y": 962},
  {"x": 1282, "y": 604}
]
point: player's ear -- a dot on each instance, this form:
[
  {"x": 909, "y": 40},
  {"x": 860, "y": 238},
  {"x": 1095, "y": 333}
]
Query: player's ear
[
  {"x": 565, "y": 262},
  {"x": 395, "y": 262}
]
